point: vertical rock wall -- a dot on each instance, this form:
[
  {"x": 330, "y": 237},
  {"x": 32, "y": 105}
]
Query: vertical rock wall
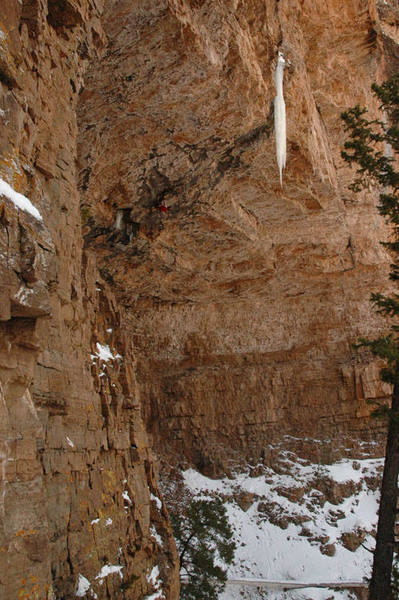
[{"x": 79, "y": 506}]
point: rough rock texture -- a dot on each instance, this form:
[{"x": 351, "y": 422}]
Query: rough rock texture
[
  {"x": 172, "y": 279},
  {"x": 243, "y": 297},
  {"x": 77, "y": 485}
]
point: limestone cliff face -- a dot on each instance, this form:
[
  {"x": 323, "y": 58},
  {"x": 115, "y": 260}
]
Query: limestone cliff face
[
  {"x": 78, "y": 492},
  {"x": 173, "y": 286}
]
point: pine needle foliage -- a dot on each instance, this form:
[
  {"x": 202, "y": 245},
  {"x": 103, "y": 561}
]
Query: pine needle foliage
[
  {"x": 203, "y": 535},
  {"x": 365, "y": 148},
  {"x": 373, "y": 148}
]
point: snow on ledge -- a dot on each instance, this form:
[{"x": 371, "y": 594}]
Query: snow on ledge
[
  {"x": 108, "y": 570},
  {"x": 19, "y": 200},
  {"x": 154, "y": 579},
  {"x": 83, "y": 586},
  {"x": 125, "y": 496},
  {"x": 156, "y": 500},
  {"x": 155, "y": 535},
  {"x": 104, "y": 353}
]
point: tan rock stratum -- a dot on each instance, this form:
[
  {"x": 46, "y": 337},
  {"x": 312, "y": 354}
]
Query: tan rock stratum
[{"x": 175, "y": 297}]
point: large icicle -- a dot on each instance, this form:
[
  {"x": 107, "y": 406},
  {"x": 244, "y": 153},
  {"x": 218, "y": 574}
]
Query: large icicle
[{"x": 279, "y": 116}]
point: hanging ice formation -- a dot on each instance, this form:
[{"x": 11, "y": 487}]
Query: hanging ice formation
[{"x": 279, "y": 116}]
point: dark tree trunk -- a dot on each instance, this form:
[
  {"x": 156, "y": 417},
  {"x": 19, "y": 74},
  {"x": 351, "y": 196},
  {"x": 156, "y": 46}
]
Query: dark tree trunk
[{"x": 380, "y": 584}]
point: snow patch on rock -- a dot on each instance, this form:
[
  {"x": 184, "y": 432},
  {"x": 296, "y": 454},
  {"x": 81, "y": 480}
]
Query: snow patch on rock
[
  {"x": 154, "y": 579},
  {"x": 108, "y": 570},
  {"x": 157, "y": 501},
  {"x": 83, "y": 586},
  {"x": 19, "y": 200}
]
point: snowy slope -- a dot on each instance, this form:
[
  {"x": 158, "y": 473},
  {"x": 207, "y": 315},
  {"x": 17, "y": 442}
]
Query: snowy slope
[{"x": 301, "y": 522}]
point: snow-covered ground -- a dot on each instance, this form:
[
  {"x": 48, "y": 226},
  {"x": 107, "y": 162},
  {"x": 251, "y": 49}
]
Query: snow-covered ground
[{"x": 298, "y": 522}]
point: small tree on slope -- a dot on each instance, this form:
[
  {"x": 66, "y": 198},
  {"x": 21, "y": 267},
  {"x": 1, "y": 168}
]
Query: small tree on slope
[
  {"x": 203, "y": 534},
  {"x": 365, "y": 148}
]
